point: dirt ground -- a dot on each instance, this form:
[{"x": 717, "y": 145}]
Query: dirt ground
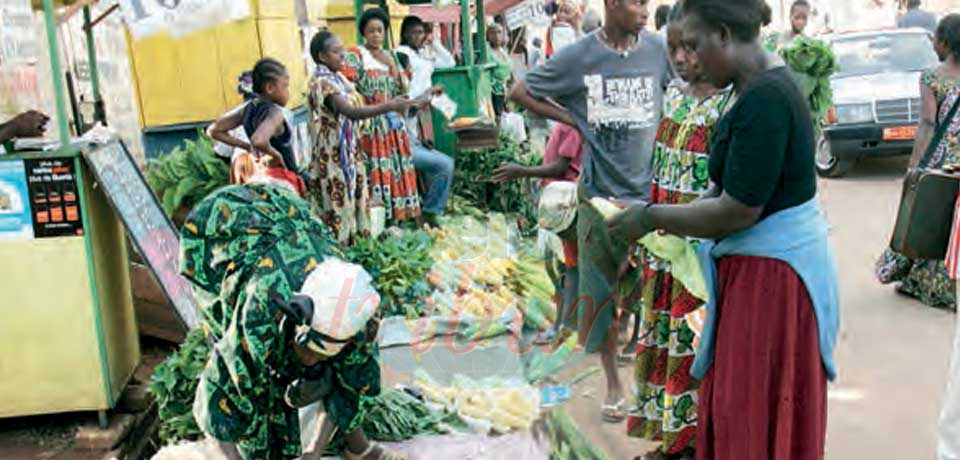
[{"x": 892, "y": 354}]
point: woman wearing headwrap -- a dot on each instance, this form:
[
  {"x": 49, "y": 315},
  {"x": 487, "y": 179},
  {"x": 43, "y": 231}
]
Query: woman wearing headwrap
[{"x": 260, "y": 264}]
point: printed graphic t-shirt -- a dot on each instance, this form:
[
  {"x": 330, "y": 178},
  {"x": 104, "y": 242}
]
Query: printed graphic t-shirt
[{"x": 616, "y": 100}]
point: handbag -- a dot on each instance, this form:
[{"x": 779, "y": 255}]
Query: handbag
[{"x": 925, "y": 217}]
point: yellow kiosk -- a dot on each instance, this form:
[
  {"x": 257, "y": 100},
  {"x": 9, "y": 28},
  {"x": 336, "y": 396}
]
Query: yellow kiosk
[{"x": 68, "y": 336}]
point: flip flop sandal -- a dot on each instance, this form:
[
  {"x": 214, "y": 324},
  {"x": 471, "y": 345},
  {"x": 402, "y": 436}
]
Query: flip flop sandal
[
  {"x": 613, "y": 413},
  {"x": 385, "y": 454}
]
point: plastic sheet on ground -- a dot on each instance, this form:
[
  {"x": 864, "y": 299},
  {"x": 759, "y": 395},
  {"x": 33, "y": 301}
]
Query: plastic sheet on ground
[
  {"x": 399, "y": 331},
  {"x": 514, "y": 446},
  {"x": 500, "y": 357}
]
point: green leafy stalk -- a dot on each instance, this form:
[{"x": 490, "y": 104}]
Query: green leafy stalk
[
  {"x": 398, "y": 265},
  {"x": 174, "y": 384},
  {"x": 473, "y": 185},
  {"x": 187, "y": 174},
  {"x": 813, "y": 62}
]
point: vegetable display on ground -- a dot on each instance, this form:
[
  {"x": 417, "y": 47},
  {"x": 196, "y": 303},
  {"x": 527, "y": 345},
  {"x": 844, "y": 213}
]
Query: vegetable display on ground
[
  {"x": 472, "y": 181},
  {"x": 477, "y": 273},
  {"x": 398, "y": 262},
  {"x": 174, "y": 384},
  {"x": 503, "y": 407}
]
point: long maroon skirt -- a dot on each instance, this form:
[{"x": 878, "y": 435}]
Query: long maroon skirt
[{"x": 765, "y": 397}]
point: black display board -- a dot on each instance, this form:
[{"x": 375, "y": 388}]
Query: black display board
[
  {"x": 52, "y": 184},
  {"x": 147, "y": 225}
]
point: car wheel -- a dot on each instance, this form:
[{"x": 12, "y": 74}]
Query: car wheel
[{"x": 827, "y": 164}]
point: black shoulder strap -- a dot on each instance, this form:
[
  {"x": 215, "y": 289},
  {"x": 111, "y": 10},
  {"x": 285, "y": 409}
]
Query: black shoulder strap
[{"x": 938, "y": 135}]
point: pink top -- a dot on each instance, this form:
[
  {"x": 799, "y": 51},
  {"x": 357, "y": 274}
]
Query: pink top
[
  {"x": 565, "y": 141},
  {"x": 953, "y": 250}
]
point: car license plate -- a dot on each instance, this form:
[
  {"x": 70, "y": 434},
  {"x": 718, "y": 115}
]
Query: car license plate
[{"x": 900, "y": 133}]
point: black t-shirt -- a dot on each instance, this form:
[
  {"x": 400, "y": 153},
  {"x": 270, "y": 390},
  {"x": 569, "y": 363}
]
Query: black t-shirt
[
  {"x": 762, "y": 151},
  {"x": 256, "y": 112}
]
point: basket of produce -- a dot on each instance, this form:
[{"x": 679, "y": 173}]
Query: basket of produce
[{"x": 475, "y": 133}]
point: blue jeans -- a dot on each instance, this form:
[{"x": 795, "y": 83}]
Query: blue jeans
[{"x": 438, "y": 170}]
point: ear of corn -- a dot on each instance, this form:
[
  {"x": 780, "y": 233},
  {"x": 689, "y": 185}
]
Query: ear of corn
[{"x": 506, "y": 408}]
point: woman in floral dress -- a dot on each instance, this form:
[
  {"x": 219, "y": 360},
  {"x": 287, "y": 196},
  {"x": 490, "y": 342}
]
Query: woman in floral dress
[
  {"x": 378, "y": 77},
  {"x": 666, "y": 394},
  {"x": 339, "y": 186},
  {"x": 928, "y": 280}
]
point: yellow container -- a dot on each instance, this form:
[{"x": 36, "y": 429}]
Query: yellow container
[
  {"x": 68, "y": 339},
  {"x": 341, "y": 18},
  {"x": 194, "y": 78}
]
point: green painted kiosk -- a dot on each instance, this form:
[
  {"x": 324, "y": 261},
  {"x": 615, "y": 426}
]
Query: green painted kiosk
[{"x": 68, "y": 338}]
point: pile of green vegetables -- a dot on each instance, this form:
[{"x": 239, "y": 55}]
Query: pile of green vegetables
[
  {"x": 394, "y": 416},
  {"x": 398, "y": 263},
  {"x": 472, "y": 181},
  {"x": 187, "y": 175},
  {"x": 174, "y": 384},
  {"x": 397, "y": 416},
  {"x": 813, "y": 63}
]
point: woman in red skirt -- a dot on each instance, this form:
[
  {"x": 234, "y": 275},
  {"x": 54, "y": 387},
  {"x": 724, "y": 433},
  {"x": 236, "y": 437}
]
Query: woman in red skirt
[{"x": 766, "y": 350}]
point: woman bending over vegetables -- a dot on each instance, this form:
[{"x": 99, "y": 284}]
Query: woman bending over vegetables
[{"x": 268, "y": 274}]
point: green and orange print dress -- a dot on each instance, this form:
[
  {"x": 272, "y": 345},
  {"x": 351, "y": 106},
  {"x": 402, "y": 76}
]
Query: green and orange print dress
[
  {"x": 393, "y": 180},
  {"x": 665, "y": 397}
]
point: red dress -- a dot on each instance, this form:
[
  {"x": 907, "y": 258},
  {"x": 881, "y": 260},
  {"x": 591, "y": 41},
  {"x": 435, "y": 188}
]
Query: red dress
[{"x": 767, "y": 360}]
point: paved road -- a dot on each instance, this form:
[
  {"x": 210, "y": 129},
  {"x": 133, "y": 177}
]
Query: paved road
[{"x": 893, "y": 351}]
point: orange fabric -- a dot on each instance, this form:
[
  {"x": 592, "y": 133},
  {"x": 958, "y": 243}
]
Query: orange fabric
[
  {"x": 570, "y": 253},
  {"x": 242, "y": 167},
  {"x": 288, "y": 176}
]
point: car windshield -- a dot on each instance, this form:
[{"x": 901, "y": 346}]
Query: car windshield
[{"x": 884, "y": 53}]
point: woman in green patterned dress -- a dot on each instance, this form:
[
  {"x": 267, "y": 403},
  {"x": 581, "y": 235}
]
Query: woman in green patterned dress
[
  {"x": 665, "y": 407},
  {"x": 248, "y": 249},
  {"x": 376, "y": 72},
  {"x": 928, "y": 280}
]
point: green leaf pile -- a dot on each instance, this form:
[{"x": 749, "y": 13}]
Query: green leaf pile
[
  {"x": 187, "y": 174},
  {"x": 813, "y": 63},
  {"x": 472, "y": 181},
  {"x": 174, "y": 384},
  {"x": 397, "y": 416},
  {"x": 398, "y": 264}
]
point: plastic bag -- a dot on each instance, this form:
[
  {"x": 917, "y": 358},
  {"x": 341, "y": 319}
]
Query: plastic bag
[
  {"x": 445, "y": 105},
  {"x": 512, "y": 125}
]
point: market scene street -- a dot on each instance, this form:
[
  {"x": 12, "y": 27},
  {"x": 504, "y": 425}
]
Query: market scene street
[
  {"x": 885, "y": 337},
  {"x": 479, "y": 229}
]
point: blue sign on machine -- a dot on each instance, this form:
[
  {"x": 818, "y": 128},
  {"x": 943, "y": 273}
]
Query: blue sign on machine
[{"x": 15, "y": 216}]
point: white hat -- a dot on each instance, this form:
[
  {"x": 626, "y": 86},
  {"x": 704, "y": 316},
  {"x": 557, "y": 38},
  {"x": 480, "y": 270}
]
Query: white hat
[
  {"x": 558, "y": 206},
  {"x": 344, "y": 300}
]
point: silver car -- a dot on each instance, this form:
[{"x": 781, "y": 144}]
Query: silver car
[{"x": 876, "y": 96}]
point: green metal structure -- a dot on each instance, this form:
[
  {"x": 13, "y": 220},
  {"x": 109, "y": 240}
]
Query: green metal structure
[
  {"x": 468, "y": 84},
  {"x": 71, "y": 340}
]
